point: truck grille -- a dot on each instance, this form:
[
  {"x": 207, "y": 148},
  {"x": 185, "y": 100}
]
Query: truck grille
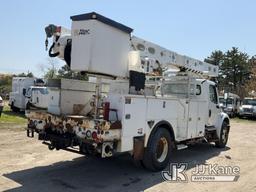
[{"x": 248, "y": 110}]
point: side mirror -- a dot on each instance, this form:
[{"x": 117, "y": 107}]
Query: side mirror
[{"x": 217, "y": 106}]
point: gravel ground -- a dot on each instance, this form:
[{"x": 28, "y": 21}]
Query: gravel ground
[{"x": 27, "y": 165}]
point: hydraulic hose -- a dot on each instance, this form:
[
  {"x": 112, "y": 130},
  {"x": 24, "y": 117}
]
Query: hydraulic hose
[{"x": 53, "y": 54}]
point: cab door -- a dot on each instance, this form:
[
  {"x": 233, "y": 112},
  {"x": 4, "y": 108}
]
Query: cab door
[
  {"x": 213, "y": 106},
  {"x": 44, "y": 98}
]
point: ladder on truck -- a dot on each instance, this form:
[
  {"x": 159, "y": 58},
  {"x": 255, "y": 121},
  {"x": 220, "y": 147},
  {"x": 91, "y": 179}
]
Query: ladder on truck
[{"x": 153, "y": 56}]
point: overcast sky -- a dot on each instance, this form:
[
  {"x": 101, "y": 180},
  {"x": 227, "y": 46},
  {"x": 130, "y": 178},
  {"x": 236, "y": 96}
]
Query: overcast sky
[{"x": 194, "y": 28}]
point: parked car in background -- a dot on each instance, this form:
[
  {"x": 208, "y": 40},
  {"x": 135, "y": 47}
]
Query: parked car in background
[
  {"x": 248, "y": 108},
  {"x": 1, "y": 105}
]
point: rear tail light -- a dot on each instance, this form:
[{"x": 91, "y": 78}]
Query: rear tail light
[{"x": 94, "y": 135}]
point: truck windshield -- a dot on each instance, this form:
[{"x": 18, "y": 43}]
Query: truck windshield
[
  {"x": 249, "y": 102},
  {"x": 43, "y": 91}
]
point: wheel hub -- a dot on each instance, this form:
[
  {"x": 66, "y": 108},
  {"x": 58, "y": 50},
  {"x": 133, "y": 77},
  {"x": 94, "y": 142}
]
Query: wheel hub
[{"x": 162, "y": 149}]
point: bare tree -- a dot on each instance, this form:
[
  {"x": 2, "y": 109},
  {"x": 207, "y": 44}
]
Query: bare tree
[{"x": 49, "y": 69}]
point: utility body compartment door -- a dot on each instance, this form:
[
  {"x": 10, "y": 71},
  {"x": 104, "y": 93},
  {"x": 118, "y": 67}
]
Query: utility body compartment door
[
  {"x": 133, "y": 121},
  {"x": 192, "y": 119},
  {"x": 196, "y": 118}
]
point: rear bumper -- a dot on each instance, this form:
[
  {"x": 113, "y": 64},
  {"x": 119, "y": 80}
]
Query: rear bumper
[{"x": 91, "y": 136}]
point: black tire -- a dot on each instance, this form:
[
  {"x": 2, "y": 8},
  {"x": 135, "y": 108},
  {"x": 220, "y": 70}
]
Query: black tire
[
  {"x": 154, "y": 159},
  {"x": 28, "y": 106},
  {"x": 11, "y": 106},
  {"x": 138, "y": 163},
  {"x": 224, "y": 132},
  {"x": 14, "y": 109}
]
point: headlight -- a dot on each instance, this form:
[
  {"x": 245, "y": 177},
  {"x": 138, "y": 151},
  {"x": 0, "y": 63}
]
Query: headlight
[{"x": 240, "y": 109}]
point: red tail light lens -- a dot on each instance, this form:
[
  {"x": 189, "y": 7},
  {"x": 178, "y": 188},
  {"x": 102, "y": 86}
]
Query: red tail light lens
[{"x": 94, "y": 135}]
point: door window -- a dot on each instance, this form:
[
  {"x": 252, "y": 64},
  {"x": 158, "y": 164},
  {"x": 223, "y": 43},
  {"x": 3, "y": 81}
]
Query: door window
[{"x": 213, "y": 94}]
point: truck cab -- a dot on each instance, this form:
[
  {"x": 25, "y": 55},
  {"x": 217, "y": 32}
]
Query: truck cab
[
  {"x": 230, "y": 104},
  {"x": 37, "y": 97},
  {"x": 248, "y": 108}
]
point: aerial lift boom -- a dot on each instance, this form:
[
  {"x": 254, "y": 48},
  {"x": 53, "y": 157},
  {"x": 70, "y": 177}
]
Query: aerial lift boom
[{"x": 143, "y": 55}]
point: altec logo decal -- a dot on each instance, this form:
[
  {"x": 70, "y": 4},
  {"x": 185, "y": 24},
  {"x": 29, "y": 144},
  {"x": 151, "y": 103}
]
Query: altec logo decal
[{"x": 78, "y": 32}]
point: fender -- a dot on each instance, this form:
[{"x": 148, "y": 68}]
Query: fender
[
  {"x": 219, "y": 121},
  {"x": 164, "y": 124}
]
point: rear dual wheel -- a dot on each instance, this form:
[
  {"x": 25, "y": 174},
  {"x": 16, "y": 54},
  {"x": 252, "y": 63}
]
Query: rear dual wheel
[{"x": 159, "y": 150}]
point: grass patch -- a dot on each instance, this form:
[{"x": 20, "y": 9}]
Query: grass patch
[
  {"x": 243, "y": 120},
  {"x": 9, "y": 117}
]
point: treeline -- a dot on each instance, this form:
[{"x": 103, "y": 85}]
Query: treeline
[
  {"x": 64, "y": 72},
  {"x": 237, "y": 71},
  {"x": 52, "y": 73}
]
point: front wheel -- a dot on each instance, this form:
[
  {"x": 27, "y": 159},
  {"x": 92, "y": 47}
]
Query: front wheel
[
  {"x": 159, "y": 150},
  {"x": 223, "y": 139},
  {"x": 14, "y": 109}
]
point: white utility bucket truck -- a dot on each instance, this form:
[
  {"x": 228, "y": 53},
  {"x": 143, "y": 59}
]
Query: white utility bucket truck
[
  {"x": 25, "y": 91},
  {"x": 145, "y": 111}
]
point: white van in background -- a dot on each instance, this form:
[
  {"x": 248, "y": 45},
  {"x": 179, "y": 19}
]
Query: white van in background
[{"x": 20, "y": 86}]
